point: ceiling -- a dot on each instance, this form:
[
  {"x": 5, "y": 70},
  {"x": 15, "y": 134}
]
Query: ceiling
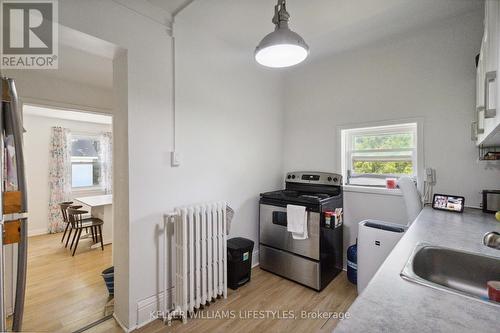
[
  {"x": 328, "y": 26},
  {"x": 82, "y": 67},
  {"x": 170, "y": 6},
  {"x": 66, "y": 114},
  {"x": 83, "y": 59}
]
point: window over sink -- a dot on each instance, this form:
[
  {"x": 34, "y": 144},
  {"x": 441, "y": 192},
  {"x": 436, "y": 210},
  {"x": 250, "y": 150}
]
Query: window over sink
[{"x": 370, "y": 155}]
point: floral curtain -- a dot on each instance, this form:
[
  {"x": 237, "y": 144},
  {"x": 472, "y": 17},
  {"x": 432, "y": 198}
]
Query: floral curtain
[
  {"x": 106, "y": 157},
  {"x": 59, "y": 176}
]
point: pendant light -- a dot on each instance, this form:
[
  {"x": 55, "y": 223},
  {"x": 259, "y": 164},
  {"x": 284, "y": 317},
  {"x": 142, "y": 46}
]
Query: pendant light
[{"x": 282, "y": 47}]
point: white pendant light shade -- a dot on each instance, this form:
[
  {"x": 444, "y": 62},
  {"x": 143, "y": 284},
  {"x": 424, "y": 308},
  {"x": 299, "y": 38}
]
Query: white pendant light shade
[{"x": 282, "y": 47}]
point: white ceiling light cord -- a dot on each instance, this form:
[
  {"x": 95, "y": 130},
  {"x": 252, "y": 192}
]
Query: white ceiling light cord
[
  {"x": 170, "y": 31},
  {"x": 172, "y": 37}
]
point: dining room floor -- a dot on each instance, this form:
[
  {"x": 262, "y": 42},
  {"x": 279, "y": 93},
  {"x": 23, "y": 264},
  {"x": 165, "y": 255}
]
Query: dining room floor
[{"x": 64, "y": 293}]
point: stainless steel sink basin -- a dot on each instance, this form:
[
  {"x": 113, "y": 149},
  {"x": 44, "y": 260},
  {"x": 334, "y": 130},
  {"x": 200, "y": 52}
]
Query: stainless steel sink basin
[
  {"x": 451, "y": 270},
  {"x": 492, "y": 239}
]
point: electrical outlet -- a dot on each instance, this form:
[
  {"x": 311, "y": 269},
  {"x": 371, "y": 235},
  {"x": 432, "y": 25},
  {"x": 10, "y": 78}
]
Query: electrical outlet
[
  {"x": 430, "y": 175},
  {"x": 175, "y": 158}
]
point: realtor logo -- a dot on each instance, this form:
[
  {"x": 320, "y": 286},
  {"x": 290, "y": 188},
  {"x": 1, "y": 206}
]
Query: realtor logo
[{"x": 29, "y": 34}]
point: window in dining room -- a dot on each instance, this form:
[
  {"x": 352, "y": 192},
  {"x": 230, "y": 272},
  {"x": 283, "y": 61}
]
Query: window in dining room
[{"x": 85, "y": 161}]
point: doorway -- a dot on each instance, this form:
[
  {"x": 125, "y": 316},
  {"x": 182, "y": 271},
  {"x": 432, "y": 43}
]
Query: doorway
[
  {"x": 68, "y": 155},
  {"x": 91, "y": 82}
]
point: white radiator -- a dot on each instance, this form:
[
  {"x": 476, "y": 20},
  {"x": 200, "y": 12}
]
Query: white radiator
[{"x": 200, "y": 257}]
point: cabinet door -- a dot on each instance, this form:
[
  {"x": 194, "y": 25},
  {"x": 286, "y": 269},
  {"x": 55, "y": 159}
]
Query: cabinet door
[
  {"x": 491, "y": 45},
  {"x": 491, "y": 34},
  {"x": 480, "y": 92},
  {"x": 487, "y": 121},
  {"x": 480, "y": 79}
]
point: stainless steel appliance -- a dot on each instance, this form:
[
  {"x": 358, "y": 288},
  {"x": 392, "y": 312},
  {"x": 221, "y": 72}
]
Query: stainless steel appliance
[
  {"x": 13, "y": 201},
  {"x": 491, "y": 201},
  {"x": 315, "y": 261}
]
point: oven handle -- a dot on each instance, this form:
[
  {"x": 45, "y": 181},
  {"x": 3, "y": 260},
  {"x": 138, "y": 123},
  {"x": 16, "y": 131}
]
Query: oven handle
[
  {"x": 279, "y": 217},
  {"x": 281, "y": 205}
]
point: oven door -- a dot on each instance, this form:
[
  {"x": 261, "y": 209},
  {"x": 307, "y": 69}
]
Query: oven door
[{"x": 273, "y": 232}]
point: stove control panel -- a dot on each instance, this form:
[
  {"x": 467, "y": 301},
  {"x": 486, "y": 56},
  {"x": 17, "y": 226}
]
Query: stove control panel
[{"x": 308, "y": 177}]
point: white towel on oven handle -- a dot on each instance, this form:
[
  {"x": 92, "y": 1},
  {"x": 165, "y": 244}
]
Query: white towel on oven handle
[{"x": 296, "y": 217}]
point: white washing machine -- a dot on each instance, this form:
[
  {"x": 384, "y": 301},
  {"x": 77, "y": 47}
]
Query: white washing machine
[{"x": 376, "y": 239}]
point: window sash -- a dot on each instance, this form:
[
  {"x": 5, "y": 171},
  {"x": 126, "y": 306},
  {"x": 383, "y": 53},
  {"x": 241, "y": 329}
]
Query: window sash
[
  {"x": 353, "y": 173},
  {"x": 386, "y": 158},
  {"x": 383, "y": 155},
  {"x": 91, "y": 170},
  {"x": 382, "y": 150},
  {"x": 85, "y": 160},
  {"x": 98, "y": 186},
  {"x": 382, "y": 130}
]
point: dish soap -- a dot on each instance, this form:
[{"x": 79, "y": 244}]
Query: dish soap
[{"x": 494, "y": 290}]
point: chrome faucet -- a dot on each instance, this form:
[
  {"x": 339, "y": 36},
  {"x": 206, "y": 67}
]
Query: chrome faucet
[{"x": 492, "y": 239}]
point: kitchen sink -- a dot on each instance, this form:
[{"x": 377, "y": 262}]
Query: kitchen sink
[
  {"x": 454, "y": 271},
  {"x": 492, "y": 239}
]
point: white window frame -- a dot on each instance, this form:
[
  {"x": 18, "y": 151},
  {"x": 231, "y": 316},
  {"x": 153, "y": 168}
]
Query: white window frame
[
  {"x": 346, "y": 132},
  {"x": 82, "y": 159}
]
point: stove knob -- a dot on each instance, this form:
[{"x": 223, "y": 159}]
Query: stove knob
[
  {"x": 293, "y": 176},
  {"x": 289, "y": 176},
  {"x": 335, "y": 179},
  {"x": 329, "y": 179}
]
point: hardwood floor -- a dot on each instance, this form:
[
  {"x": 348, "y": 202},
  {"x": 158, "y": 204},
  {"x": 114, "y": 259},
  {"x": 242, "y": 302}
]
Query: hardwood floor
[
  {"x": 63, "y": 293},
  {"x": 265, "y": 292}
]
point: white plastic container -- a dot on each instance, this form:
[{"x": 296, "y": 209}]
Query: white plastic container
[{"x": 376, "y": 239}]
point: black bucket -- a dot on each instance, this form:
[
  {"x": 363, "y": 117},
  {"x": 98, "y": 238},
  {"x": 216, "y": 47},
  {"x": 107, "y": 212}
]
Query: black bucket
[{"x": 109, "y": 278}]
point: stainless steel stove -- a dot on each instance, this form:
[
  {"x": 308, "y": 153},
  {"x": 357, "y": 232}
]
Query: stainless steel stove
[{"x": 315, "y": 261}]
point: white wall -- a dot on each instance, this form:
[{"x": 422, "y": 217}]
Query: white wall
[
  {"x": 37, "y": 145},
  {"x": 230, "y": 123},
  {"x": 230, "y": 126},
  {"x": 229, "y": 134},
  {"x": 360, "y": 206},
  {"x": 428, "y": 74}
]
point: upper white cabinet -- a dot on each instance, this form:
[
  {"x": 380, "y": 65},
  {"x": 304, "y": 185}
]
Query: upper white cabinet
[{"x": 486, "y": 127}]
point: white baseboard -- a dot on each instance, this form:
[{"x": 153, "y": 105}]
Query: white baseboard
[
  {"x": 255, "y": 258},
  {"x": 150, "y": 309},
  {"x": 37, "y": 232},
  {"x": 123, "y": 327}
]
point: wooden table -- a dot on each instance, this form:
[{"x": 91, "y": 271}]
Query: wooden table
[{"x": 101, "y": 207}]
